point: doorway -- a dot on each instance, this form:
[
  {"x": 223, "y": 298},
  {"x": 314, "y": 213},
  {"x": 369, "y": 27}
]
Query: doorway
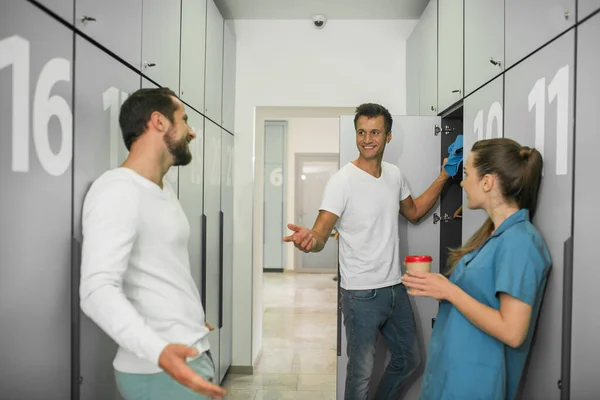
[{"x": 312, "y": 172}]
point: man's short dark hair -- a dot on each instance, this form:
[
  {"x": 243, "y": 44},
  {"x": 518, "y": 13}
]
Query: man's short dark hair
[
  {"x": 371, "y": 110},
  {"x": 136, "y": 110}
]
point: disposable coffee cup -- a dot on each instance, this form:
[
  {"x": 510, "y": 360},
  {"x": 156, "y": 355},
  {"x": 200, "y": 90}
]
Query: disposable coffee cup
[{"x": 418, "y": 263}]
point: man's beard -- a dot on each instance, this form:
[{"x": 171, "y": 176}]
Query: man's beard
[{"x": 179, "y": 149}]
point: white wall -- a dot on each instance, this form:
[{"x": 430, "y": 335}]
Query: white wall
[
  {"x": 290, "y": 63},
  {"x": 306, "y": 135}
]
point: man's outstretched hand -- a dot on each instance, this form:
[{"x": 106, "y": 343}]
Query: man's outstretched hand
[
  {"x": 173, "y": 361},
  {"x": 302, "y": 238}
]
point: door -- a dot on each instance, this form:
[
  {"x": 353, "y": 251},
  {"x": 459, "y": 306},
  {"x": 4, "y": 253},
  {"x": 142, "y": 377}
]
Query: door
[
  {"x": 161, "y": 37},
  {"x": 99, "y": 147},
  {"x": 193, "y": 52},
  {"x": 213, "y": 82},
  {"x": 585, "y": 355},
  {"x": 416, "y": 150},
  {"x": 109, "y": 22},
  {"x": 484, "y": 42},
  {"x": 539, "y": 113},
  {"x": 428, "y": 37},
  {"x": 36, "y": 137},
  {"x": 211, "y": 289},
  {"x": 552, "y": 17},
  {"x": 226, "y": 309},
  {"x": 63, "y": 8},
  {"x": 274, "y": 196},
  {"x": 312, "y": 174},
  {"x": 450, "y": 53},
  {"x": 482, "y": 120},
  {"x": 229, "y": 69}
]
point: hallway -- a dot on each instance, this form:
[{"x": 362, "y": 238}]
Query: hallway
[{"x": 298, "y": 360}]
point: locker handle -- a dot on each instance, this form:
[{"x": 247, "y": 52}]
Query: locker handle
[
  {"x": 85, "y": 19},
  {"x": 339, "y": 315},
  {"x": 76, "y": 379},
  {"x": 203, "y": 259},
  {"x": 221, "y": 219},
  {"x": 564, "y": 384}
]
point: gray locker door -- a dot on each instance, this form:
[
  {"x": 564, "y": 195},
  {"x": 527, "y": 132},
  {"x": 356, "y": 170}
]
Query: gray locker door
[
  {"x": 229, "y": 69},
  {"x": 99, "y": 147},
  {"x": 36, "y": 137},
  {"x": 539, "y": 113},
  {"x": 115, "y": 21},
  {"x": 416, "y": 150},
  {"x": 161, "y": 36},
  {"x": 428, "y": 64},
  {"x": 63, "y": 8},
  {"x": 450, "y": 53},
  {"x": 212, "y": 209},
  {"x": 551, "y": 18},
  {"x": 484, "y": 42},
  {"x": 585, "y": 352},
  {"x": 193, "y": 48},
  {"x": 213, "y": 83},
  {"x": 482, "y": 119},
  {"x": 226, "y": 317},
  {"x": 413, "y": 67},
  {"x": 191, "y": 178},
  {"x": 586, "y": 7}
]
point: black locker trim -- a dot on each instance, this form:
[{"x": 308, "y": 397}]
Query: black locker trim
[
  {"x": 203, "y": 258},
  {"x": 75, "y": 318},
  {"x": 221, "y": 219}
]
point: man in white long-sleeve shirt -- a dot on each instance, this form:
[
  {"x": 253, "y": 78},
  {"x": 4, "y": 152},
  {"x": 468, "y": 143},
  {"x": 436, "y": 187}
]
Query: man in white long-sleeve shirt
[{"x": 136, "y": 282}]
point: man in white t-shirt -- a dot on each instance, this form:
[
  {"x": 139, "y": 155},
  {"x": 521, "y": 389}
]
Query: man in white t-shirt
[
  {"x": 364, "y": 198},
  {"x": 136, "y": 282}
]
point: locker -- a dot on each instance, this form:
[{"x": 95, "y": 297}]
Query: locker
[
  {"x": 484, "y": 42},
  {"x": 414, "y": 144},
  {"x": 63, "y": 8},
  {"x": 108, "y": 22},
  {"x": 213, "y": 82},
  {"x": 211, "y": 293},
  {"x": 193, "y": 52},
  {"x": 229, "y": 63},
  {"x": 226, "y": 309},
  {"x": 99, "y": 146},
  {"x": 191, "y": 194},
  {"x": 539, "y": 113},
  {"x": 36, "y": 292},
  {"x": 428, "y": 98},
  {"x": 483, "y": 119},
  {"x": 586, "y": 7},
  {"x": 552, "y": 17},
  {"x": 413, "y": 64},
  {"x": 450, "y": 53},
  {"x": 161, "y": 38},
  {"x": 585, "y": 353}
]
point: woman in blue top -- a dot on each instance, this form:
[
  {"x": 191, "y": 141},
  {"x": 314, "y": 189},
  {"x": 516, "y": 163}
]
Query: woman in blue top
[{"x": 488, "y": 307}]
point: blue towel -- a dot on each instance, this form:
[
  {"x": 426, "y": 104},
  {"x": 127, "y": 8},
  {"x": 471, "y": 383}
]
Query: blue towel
[{"x": 455, "y": 156}]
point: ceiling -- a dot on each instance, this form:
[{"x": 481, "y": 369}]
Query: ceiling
[{"x": 332, "y": 9}]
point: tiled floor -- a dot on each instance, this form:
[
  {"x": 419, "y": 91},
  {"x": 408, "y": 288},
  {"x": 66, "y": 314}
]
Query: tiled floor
[{"x": 299, "y": 341}]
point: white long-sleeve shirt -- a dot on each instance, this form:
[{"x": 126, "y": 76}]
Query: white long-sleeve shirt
[{"x": 136, "y": 282}]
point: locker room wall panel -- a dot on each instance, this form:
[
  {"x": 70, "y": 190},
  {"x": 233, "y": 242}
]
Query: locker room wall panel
[
  {"x": 114, "y": 21},
  {"x": 586, "y": 7},
  {"x": 36, "y": 64},
  {"x": 450, "y": 53},
  {"x": 98, "y": 147},
  {"x": 63, "y": 8},
  {"x": 193, "y": 52},
  {"x": 428, "y": 74},
  {"x": 585, "y": 356},
  {"x": 552, "y": 17},
  {"x": 539, "y": 113}
]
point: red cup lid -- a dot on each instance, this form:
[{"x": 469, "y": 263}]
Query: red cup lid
[{"x": 411, "y": 259}]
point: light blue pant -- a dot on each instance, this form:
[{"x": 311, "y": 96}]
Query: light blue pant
[{"x": 161, "y": 386}]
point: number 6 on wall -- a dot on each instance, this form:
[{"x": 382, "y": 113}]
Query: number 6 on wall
[
  {"x": 14, "y": 51},
  {"x": 557, "y": 89}
]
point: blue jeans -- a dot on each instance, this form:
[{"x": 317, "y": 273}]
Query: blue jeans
[
  {"x": 161, "y": 386},
  {"x": 366, "y": 313}
]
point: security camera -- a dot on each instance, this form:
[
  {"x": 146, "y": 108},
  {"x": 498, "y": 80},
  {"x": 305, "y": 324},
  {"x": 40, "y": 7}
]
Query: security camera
[{"x": 319, "y": 20}]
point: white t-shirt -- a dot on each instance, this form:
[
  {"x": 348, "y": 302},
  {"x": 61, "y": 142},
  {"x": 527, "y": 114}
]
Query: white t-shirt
[
  {"x": 368, "y": 210},
  {"x": 136, "y": 282}
]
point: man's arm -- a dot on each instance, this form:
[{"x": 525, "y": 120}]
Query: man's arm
[
  {"x": 313, "y": 240},
  {"x": 414, "y": 210}
]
